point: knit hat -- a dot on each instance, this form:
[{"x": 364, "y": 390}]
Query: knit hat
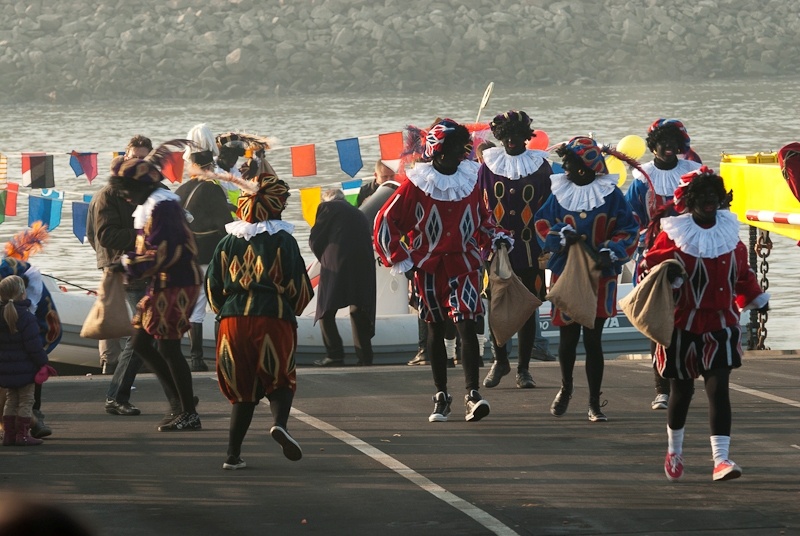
[{"x": 588, "y": 151}]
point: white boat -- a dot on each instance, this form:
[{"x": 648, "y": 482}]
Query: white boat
[{"x": 396, "y": 331}]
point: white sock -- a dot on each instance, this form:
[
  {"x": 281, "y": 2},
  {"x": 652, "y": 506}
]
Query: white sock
[
  {"x": 720, "y": 445},
  {"x": 450, "y": 348},
  {"x": 675, "y": 441},
  {"x": 481, "y": 344}
]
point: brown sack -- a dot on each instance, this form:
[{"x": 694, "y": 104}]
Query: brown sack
[
  {"x": 575, "y": 291},
  {"x": 109, "y": 317},
  {"x": 650, "y": 306},
  {"x": 511, "y": 304}
]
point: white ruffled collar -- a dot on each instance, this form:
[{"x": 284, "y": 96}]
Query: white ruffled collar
[
  {"x": 666, "y": 180},
  {"x": 145, "y": 210},
  {"x": 574, "y": 197},
  {"x": 704, "y": 243},
  {"x": 516, "y": 166},
  {"x": 247, "y": 230},
  {"x": 442, "y": 187}
]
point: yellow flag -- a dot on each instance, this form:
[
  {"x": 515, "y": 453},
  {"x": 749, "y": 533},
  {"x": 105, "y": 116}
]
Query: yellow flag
[{"x": 310, "y": 199}]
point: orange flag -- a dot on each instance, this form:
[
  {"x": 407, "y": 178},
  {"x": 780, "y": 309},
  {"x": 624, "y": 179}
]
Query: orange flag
[
  {"x": 304, "y": 161},
  {"x": 11, "y": 200},
  {"x": 172, "y": 167},
  {"x": 391, "y": 145}
]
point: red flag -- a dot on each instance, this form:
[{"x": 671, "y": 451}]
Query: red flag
[
  {"x": 11, "y": 200},
  {"x": 172, "y": 167},
  {"x": 391, "y": 145},
  {"x": 37, "y": 170},
  {"x": 304, "y": 161}
]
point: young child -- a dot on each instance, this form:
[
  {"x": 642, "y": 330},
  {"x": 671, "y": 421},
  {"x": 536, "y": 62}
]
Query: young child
[{"x": 21, "y": 357}]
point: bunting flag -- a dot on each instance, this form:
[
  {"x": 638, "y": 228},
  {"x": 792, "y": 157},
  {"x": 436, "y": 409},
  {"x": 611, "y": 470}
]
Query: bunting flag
[
  {"x": 12, "y": 190},
  {"x": 3, "y": 167},
  {"x": 84, "y": 164},
  {"x": 351, "y": 189},
  {"x": 3, "y": 196},
  {"x": 172, "y": 167},
  {"x": 349, "y": 156},
  {"x": 304, "y": 160},
  {"x": 46, "y": 210},
  {"x": 391, "y": 145},
  {"x": 80, "y": 211},
  {"x": 310, "y": 199},
  {"x": 87, "y": 198},
  {"x": 37, "y": 170}
]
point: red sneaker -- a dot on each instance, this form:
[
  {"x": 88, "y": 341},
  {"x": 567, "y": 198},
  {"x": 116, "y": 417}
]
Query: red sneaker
[
  {"x": 673, "y": 467},
  {"x": 727, "y": 470}
]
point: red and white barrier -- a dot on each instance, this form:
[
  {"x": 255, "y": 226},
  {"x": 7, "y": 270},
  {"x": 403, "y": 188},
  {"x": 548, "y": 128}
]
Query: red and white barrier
[{"x": 791, "y": 218}]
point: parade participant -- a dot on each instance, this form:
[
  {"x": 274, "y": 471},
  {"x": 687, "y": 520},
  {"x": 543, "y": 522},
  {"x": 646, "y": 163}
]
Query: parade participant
[
  {"x": 706, "y": 342},
  {"x": 21, "y": 357},
  {"x": 381, "y": 174},
  {"x": 341, "y": 239},
  {"x": 667, "y": 139},
  {"x": 586, "y": 206},
  {"x": 109, "y": 229},
  {"x": 441, "y": 211},
  {"x": 515, "y": 182},
  {"x": 15, "y": 262},
  {"x": 257, "y": 285},
  {"x": 165, "y": 252}
]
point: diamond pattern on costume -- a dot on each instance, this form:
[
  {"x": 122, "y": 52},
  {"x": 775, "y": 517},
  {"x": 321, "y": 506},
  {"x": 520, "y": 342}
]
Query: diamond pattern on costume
[
  {"x": 269, "y": 361},
  {"x": 527, "y": 215},
  {"x": 276, "y": 270},
  {"x": 384, "y": 238},
  {"x": 499, "y": 212},
  {"x": 470, "y": 295},
  {"x": 700, "y": 281},
  {"x": 433, "y": 228},
  {"x": 467, "y": 227},
  {"x": 710, "y": 348},
  {"x": 227, "y": 365}
]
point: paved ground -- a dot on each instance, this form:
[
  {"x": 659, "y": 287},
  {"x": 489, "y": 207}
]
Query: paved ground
[{"x": 373, "y": 464}]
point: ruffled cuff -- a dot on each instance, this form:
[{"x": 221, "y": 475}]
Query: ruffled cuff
[
  {"x": 758, "y": 302},
  {"x": 611, "y": 254},
  {"x": 502, "y": 236},
  {"x": 566, "y": 227},
  {"x": 401, "y": 267}
]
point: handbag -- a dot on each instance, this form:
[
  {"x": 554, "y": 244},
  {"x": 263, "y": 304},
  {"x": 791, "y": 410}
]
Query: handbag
[
  {"x": 109, "y": 317},
  {"x": 575, "y": 290},
  {"x": 511, "y": 304},
  {"x": 650, "y": 307}
]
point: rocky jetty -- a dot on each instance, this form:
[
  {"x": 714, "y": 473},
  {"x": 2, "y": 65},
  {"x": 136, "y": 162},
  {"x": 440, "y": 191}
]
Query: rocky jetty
[{"x": 72, "y": 50}]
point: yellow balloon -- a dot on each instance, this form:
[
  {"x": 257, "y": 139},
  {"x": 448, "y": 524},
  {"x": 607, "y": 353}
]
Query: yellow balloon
[
  {"x": 633, "y": 146},
  {"x": 617, "y": 167}
]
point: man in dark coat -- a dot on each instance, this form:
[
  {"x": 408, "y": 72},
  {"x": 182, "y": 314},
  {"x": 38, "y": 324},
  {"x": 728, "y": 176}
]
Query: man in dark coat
[{"x": 342, "y": 241}]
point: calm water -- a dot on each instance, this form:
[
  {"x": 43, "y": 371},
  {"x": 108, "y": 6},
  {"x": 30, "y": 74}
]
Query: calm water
[{"x": 734, "y": 117}]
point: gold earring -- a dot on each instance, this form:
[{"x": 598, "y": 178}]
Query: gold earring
[{"x": 581, "y": 172}]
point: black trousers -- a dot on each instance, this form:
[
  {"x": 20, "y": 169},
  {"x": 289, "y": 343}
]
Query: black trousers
[{"x": 363, "y": 331}]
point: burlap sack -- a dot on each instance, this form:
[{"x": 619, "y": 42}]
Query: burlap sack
[
  {"x": 575, "y": 290},
  {"x": 109, "y": 317},
  {"x": 650, "y": 306},
  {"x": 511, "y": 304}
]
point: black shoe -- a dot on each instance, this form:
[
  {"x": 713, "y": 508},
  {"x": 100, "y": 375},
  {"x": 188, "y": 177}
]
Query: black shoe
[
  {"x": 328, "y": 362},
  {"x": 364, "y": 364},
  {"x": 525, "y": 380},
  {"x": 561, "y": 401},
  {"x": 199, "y": 365},
  {"x": 542, "y": 355},
  {"x": 233, "y": 463},
  {"x": 291, "y": 448},
  {"x": 419, "y": 359},
  {"x": 441, "y": 407},
  {"x": 477, "y": 407},
  {"x": 595, "y": 413},
  {"x": 121, "y": 408},
  {"x": 169, "y": 417},
  {"x": 38, "y": 428},
  {"x": 498, "y": 370},
  {"x": 184, "y": 421}
]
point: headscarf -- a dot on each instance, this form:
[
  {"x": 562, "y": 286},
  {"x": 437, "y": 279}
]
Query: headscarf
[
  {"x": 588, "y": 151},
  {"x": 269, "y": 201},
  {"x": 661, "y": 123}
]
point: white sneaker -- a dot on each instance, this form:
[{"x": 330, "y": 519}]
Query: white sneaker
[{"x": 661, "y": 402}]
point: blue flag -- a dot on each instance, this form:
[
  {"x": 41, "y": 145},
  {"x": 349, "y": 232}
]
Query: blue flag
[
  {"x": 80, "y": 211},
  {"x": 46, "y": 210},
  {"x": 349, "y": 156}
]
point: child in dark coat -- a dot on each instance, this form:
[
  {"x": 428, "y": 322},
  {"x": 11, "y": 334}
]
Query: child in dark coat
[{"x": 21, "y": 357}]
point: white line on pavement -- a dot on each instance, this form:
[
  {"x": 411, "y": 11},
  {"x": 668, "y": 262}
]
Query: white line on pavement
[{"x": 485, "y": 519}]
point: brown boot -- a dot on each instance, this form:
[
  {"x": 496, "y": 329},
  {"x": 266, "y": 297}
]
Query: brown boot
[
  {"x": 9, "y": 431},
  {"x": 24, "y": 438}
]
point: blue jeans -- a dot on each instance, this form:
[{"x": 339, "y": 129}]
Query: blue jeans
[{"x": 129, "y": 362}]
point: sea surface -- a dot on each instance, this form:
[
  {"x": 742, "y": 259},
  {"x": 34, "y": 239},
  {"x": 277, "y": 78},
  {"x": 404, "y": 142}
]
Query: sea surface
[{"x": 721, "y": 116}]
